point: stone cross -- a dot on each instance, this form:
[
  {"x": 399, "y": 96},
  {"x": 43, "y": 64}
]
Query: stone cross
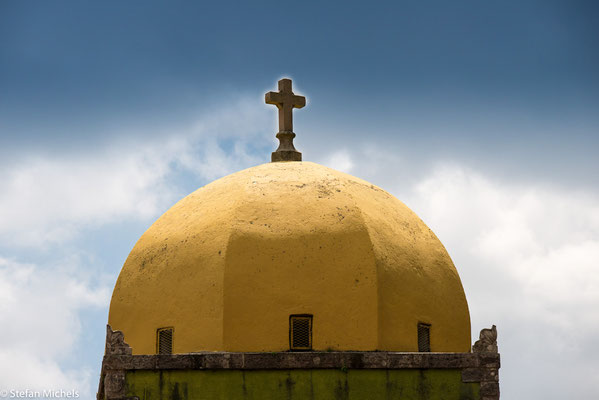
[{"x": 285, "y": 101}]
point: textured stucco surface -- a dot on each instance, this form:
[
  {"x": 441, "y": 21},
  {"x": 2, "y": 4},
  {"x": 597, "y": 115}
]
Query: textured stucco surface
[
  {"x": 229, "y": 263},
  {"x": 324, "y": 384}
]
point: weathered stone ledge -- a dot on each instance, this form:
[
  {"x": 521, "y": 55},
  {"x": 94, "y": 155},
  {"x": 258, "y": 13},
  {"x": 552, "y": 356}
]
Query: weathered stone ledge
[
  {"x": 306, "y": 360},
  {"x": 481, "y": 366}
]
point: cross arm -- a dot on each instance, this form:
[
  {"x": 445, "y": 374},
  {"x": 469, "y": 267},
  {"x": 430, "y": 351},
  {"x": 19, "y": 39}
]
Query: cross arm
[
  {"x": 273, "y": 98},
  {"x": 283, "y": 99}
]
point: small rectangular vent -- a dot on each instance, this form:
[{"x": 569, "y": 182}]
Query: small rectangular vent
[
  {"x": 424, "y": 337},
  {"x": 164, "y": 341},
  {"x": 300, "y": 332}
]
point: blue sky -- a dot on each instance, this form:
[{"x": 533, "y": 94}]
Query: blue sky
[
  {"x": 481, "y": 116},
  {"x": 502, "y": 80}
]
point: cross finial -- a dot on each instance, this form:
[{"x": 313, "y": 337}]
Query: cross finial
[{"x": 285, "y": 101}]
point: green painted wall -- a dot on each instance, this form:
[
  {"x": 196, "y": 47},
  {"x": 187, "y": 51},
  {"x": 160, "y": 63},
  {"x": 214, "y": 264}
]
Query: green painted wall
[{"x": 322, "y": 384}]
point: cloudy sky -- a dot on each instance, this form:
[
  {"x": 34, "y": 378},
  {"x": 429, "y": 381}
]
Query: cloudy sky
[{"x": 482, "y": 116}]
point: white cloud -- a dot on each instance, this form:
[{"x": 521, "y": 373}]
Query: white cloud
[
  {"x": 39, "y": 315},
  {"x": 527, "y": 256},
  {"x": 44, "y": 200},
  {"x": 341, "y": 161},
  {"x": 47, "y": 199}
]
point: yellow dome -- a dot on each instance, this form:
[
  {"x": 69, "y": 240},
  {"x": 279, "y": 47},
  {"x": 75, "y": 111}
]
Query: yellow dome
[{"x": 226, "y": 267}]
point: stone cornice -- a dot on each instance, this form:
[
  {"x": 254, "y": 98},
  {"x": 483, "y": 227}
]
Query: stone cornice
[
  {"x": 480, "y": 366},
  {"x": 302, "y": 360}
]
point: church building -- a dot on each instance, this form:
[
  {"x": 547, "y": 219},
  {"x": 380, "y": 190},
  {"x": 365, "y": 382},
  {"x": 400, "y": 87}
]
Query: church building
[{"x": 290, "y": 280}]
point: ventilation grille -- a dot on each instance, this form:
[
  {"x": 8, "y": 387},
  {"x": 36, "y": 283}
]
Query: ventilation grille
[
  {"x": 165, "y": 341},
  {"x": 424, "y": 337},
  {"x": 300, "y": 332}
]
